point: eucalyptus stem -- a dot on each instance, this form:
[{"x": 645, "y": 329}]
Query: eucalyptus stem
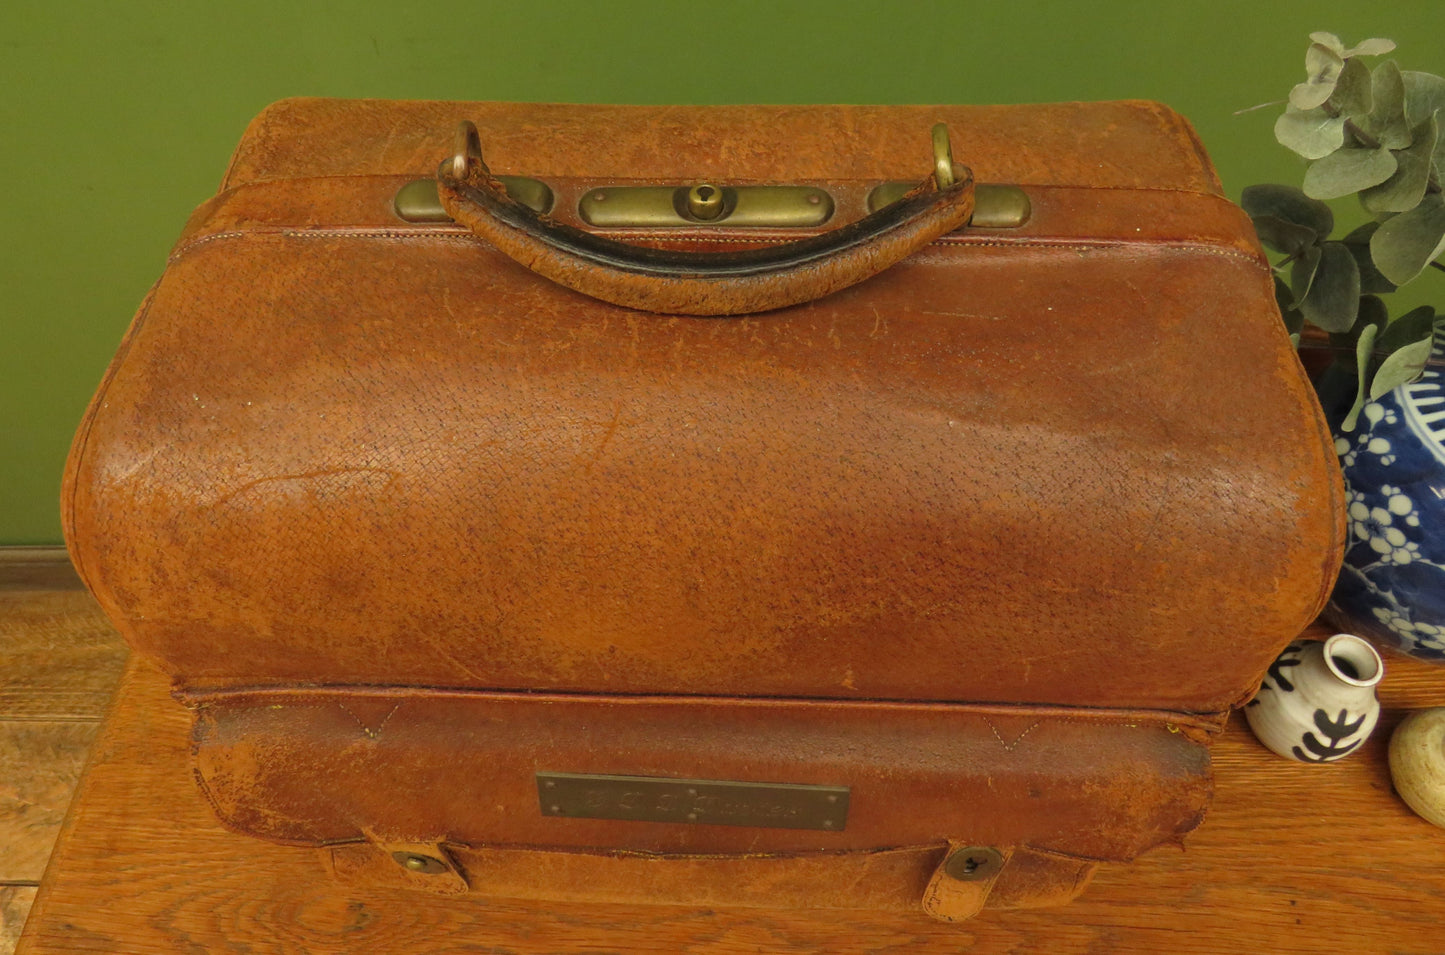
[{"x": 1365, "y": 139}]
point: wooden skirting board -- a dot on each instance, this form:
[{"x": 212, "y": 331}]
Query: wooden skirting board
[{"x": 37, "y": 569}]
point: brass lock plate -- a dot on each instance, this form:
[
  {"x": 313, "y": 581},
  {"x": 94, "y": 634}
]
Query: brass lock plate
[
  {"x": 697, "y": 801},
  {"x": 633, "y": 207},
  {"x": 630, "y": 207}
]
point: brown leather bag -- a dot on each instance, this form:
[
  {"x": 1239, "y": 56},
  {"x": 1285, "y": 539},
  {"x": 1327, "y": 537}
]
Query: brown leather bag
[{"x": 488, "y": 563}]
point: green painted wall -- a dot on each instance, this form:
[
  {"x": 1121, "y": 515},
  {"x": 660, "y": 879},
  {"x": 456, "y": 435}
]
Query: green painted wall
[{"x": 116, "y": 120}]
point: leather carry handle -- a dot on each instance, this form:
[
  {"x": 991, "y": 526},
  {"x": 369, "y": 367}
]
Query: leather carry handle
[{"x": 704, "y": 283}]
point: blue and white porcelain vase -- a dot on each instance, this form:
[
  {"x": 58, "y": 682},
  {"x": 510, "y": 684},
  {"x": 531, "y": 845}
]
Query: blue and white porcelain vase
[
  {"x": 1317, "y": 703},
  {"x": 1392, "y": 586}
]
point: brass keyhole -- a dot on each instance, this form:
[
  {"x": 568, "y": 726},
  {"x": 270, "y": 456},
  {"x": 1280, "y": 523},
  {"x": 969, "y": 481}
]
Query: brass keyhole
[{"x": 704, "y": 201}]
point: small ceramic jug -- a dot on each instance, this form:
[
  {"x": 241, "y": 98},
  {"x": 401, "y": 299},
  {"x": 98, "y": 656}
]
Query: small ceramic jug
[
  {"x": 1317, "y": 703},
  {"x": 1417, "y": 763}
]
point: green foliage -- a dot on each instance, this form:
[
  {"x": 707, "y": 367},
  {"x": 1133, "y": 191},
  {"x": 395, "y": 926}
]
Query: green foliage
[{"x": 1375, "y": 133}]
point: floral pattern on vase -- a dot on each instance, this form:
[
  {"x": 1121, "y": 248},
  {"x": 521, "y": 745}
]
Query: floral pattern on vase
[{"x": 1392, "y": 586}]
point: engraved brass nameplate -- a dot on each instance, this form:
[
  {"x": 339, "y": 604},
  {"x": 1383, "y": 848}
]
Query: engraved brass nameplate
[{"x": 700, "y": 801}]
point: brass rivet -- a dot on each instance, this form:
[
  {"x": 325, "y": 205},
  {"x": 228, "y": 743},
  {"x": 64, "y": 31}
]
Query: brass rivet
[
  {"x": 550, "y": 784},
  {"x": 692, "y": 817},
  {"x": 415, "y": 862},
  {"x": 556, "y": 809},
  {"x": 973, "y": 863}
]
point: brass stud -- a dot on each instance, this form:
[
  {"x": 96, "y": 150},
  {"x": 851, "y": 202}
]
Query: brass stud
[
  {"x": 421, "y": 864},
  {"x": 973, "y": 863}
]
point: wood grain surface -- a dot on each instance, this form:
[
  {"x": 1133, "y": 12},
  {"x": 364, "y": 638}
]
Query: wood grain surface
[
  {"x": 40, "y": 763},
  {"x": 61, "y": 658},
  {"x": 60, "y": 661},
  {"x": 1292, "y": 858},
  {"x": 15, "y": 902}
]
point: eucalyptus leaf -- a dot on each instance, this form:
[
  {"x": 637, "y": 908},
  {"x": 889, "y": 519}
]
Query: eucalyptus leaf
[
  {"x": 1400, "y": 367},
  {"x": 1386, "y": 121},
  {"x": 1404, "y": 190},
  {"x": 1424, "y": 94},
  {"x": 1371, "y": 47},
  {"x": 1290, "y": 204},
  {"x": 1371, "y": 313},
  {"x": 1283, "y": 236},
  {"x": 1312, "y": 133},
  {"x": 1353, "y": 95},
  {"x": 1363, "y": 349},
  {"x": 1375, "y": 46},
  {"x": 1347, "y": 171},
  {"x": 1333, "y": 299},
  {"x": 1403, "y": 246},
  {"x": 1415, "y": 325},
  {"x": 1323, "y": 66},
  {"x": 1302, "y": 273},
  {"x": 1294, "y": 320},
  {"x": 1372, "y": 281}
]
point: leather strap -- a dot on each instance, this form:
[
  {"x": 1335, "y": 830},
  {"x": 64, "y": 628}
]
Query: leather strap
[
  {"x": 702, "y": 283},
  {"x": 951, "y": 897}
]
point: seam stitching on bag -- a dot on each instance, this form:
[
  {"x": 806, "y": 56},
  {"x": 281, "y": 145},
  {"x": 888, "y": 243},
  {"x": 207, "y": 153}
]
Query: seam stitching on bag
[
  {"x": 1209, "y": 723},
  {"x": 452, "y": 234},
  {"x": 370, "y": 733},
  {"x": 1010, "y": 747}
]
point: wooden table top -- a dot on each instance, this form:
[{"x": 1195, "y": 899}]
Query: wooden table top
[{"x": 1292, "y": 858}]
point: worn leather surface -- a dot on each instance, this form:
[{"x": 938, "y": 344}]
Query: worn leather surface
[
  {"x": 302, "y": 767},
  {"x": 1071, "y": 470}
]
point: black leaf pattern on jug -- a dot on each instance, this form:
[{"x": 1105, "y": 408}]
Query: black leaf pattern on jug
[
  {"x": 1277, "y": 679},
  {"x": 1335, "y": 731},
  {"x": 1289, "y": 658}
]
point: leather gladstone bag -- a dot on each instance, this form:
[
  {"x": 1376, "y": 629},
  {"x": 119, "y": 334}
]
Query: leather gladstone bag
[{"x": 857, "y": 507}]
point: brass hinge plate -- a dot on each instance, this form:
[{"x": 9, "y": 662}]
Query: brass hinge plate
[
  {"x": 697, "y": 801},
  {"x": 417, "y": 201},
  {"x": 995, "y": 206}
]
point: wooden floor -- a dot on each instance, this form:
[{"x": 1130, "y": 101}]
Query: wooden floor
[
  {"x": 1291, "y": 859},
  {"x": 60, "y": 662}
]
